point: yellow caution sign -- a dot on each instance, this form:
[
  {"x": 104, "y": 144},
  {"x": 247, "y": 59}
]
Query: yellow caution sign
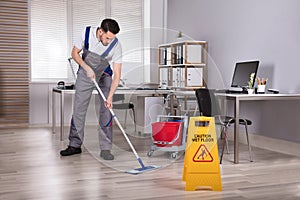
[{"x": 201, "y": 162}]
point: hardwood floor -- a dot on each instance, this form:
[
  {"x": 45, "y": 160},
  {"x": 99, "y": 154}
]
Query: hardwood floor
[{"x": 31, "y": 168}]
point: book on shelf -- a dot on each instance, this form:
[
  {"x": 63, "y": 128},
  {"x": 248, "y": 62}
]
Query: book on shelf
[
  {"x": 178, "y": 54},
  {"x": 168, "y": 56}
]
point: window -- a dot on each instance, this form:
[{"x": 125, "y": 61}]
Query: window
[
  {"x": 131, "y": 27},
  {"x": 56, "y": 23},
  {"x": 48, "y": 39}
]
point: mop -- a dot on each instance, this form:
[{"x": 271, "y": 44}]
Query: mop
[{"x": 143, "y": 168}]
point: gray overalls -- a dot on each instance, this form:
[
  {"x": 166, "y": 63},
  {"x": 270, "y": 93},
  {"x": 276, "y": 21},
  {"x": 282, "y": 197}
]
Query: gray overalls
[{"x": 84, "y": 87}]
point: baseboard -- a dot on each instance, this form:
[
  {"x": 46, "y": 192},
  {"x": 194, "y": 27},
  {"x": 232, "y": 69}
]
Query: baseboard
[{"x": 272, "y": 144}]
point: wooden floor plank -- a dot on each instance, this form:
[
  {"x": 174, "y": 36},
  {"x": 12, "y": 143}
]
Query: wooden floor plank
[{"x": 31, "y": 168}]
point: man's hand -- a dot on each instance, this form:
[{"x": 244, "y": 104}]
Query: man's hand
[
  {"x": 76, "y": 56},
  {"x": 108, "y": 103},
  {"x": 90, "y": 73},
  {"x": 115, "y": 82}
]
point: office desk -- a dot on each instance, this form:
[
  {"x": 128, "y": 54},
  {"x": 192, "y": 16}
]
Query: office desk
[
  {"x": 238, "y": 98},
  {"x": 62, "y": 93}
]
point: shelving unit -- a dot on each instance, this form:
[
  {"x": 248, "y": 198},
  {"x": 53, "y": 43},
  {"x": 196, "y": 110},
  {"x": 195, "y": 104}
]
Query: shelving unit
[{"x": 182, "y": 64}]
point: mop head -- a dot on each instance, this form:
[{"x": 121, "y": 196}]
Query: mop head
[{"x": 143, "y": 169}]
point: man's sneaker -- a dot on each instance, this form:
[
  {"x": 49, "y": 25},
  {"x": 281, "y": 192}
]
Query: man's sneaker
[
  {"x": 106, "y": 155},
  {"x": 70, "y": 151}
]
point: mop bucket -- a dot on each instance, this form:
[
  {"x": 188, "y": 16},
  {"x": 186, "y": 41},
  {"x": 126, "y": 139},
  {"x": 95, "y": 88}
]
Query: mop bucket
[{"x": 167, "y": 134}]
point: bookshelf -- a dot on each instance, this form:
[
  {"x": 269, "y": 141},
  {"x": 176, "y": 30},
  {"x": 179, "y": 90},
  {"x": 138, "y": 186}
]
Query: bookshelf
[{"x": 182, "y": 64}]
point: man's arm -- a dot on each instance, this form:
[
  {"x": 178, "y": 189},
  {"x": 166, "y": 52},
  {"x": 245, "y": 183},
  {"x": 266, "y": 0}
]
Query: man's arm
[
  {"x": 117, "y": 68},
  {"x": 76, "y": 56}
]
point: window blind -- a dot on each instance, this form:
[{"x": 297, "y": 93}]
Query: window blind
[
  {"x": 49, "y": 39},
  {"x": 129, "y": 16},
  {"x": 55, "y": 24},
  {"x": 86, "y": 13},
  {"x": 14, "y": 65}
]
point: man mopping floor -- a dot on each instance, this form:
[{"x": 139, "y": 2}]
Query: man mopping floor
[{"x": 101, "y": 50}]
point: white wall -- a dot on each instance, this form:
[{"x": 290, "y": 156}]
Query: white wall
[
  {"x": 237, "y": 30},
  {"x": 156, "y": 36},
  {"x": 267, "y": 30},
  {"x": 41, "y": 105}
]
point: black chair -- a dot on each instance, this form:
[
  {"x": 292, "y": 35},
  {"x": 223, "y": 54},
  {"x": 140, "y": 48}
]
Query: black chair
[
  {"x": 119, "y": 104},
  {"x": 208, "y": 106}
]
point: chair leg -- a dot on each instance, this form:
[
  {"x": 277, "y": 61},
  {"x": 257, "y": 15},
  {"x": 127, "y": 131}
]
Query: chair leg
[
  {"x": 195, "y": 111},
  {"x": 125, "y": 119},
  {"x": 226, "y": 140},
  {"x": 249, "y": 146},
  {"x": 224, "y": 136}
]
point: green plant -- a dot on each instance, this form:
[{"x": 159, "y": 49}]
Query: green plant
[
  {"x": 179, "y": 35},
  {"x": 250, "y": 82}
]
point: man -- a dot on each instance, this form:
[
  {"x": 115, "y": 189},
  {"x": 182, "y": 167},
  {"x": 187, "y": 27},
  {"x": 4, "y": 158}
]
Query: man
[{"x": 100, "y": 46}]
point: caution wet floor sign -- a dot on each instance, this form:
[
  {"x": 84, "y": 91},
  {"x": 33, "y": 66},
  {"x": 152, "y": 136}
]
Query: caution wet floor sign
[
  {"x": 201, "y": 161},
  {"x": 203, "y": 155}
]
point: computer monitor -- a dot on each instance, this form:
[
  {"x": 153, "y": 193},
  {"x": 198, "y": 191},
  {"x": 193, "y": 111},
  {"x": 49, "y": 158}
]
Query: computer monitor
[{"x": 242, "y": 73}]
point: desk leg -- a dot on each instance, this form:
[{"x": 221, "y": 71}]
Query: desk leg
[
  {"x": 53, "y": 112},
  {"x": 172, "y": 99},
  {"x": 62, "y": 102},
  {"x": 236, "y": 130}
]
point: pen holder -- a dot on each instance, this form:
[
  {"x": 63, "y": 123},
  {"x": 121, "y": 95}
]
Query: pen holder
[{"x": 261, "y": 89}]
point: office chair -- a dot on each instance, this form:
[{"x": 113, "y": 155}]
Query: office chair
[
  {"x": 118, "y": 103},
  {"x": 208, "y": 106}
]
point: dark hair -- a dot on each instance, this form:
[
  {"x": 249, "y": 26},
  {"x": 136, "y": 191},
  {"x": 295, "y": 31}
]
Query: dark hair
[{"x": 110, "y": 25}]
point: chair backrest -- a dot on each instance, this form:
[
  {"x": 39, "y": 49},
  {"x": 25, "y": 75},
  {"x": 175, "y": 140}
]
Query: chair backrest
[
  {"x": 207, "y": 103},
  {"x": 118, "y": 97}
]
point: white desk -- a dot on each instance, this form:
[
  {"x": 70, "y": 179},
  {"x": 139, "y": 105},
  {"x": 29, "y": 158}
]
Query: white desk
[
  {"x": 62, "y": 93},
  {"x": 237, "y": 98}
]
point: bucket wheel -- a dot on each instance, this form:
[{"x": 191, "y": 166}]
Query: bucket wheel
[
  {"x": 174, "y": 155},
  {"x": 150, "y": 153}
]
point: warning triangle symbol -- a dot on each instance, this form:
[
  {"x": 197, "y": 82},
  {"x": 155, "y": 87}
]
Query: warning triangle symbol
[{"x": 202, "y": 155}]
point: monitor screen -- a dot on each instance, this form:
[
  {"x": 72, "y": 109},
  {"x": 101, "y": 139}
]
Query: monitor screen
[{"x": 242, "y": 73}]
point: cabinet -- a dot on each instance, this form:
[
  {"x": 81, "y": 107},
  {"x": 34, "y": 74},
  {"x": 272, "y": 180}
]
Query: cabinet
[
  {"x": 148, "y": 110},
  {"x": 182, "y": 64}
]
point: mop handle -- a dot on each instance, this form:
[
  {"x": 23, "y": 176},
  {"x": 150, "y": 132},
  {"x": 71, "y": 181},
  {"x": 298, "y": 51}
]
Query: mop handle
[
  {"x": 74, "y": 75},
  {"x": 117, "y": 121}
]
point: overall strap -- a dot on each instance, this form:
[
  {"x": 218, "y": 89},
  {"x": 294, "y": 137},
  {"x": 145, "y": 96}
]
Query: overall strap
[
  {"x": 112, "y": 44},
  {"x": 108, "y": 70},
  {"x": 86, "y": 38}
]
